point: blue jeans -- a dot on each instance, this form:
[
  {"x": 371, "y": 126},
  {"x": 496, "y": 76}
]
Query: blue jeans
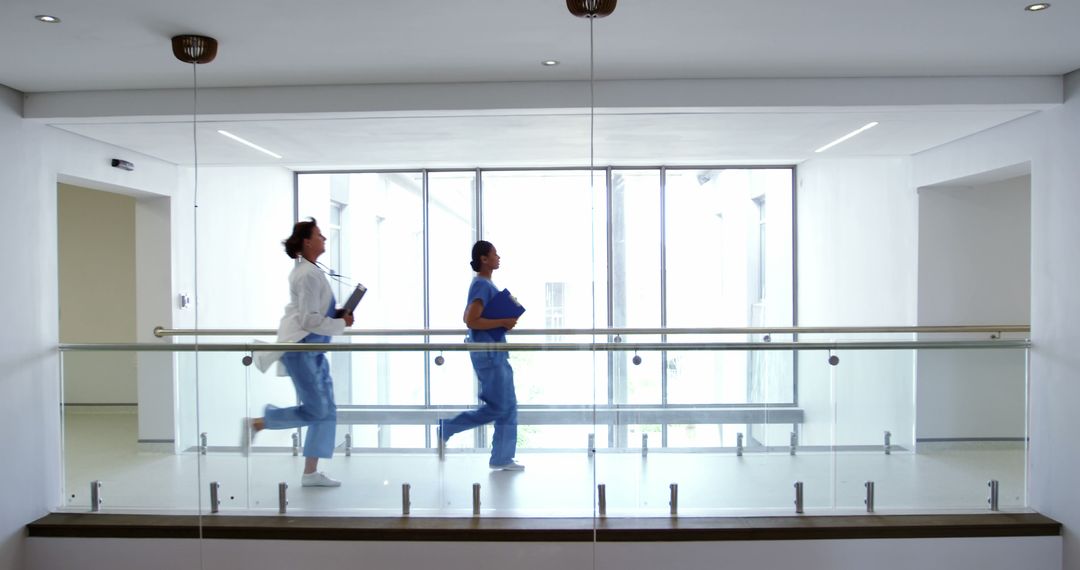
[
  {"x": 310, "y": 374},
  {"x": 499, "y": 405}
]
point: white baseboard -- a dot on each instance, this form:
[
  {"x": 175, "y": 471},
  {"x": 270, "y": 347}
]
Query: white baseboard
[
  {"x": 101, "y": 409},
  {"x": 156, "y": 446}
]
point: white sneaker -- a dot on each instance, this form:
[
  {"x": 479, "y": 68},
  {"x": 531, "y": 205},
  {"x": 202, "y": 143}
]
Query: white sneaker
[
  {"x": 247, "y": 434},
  {"x": 318, "y": 479},
  {"x": 512, "y": 466}
]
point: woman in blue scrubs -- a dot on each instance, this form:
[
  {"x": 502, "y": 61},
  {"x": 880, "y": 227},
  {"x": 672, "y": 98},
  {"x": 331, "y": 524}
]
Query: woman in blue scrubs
[
  {"x": 310, "y": 316},
  {"x": 492, "y": 367}
]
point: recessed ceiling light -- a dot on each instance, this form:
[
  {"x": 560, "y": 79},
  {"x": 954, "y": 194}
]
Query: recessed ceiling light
[
  {"x": 47, "y": 19},
  {"x": 249, "y": 143},
  {"x": 549, "y": 62},
  {"x": 847, "y": 136},
  {"x": 1037, "y": 7}
]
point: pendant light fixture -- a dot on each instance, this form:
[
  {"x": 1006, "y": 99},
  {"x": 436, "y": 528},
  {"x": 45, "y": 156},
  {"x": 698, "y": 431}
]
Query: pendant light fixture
[
  {"x": 591, "y": 8},
  {"x": 194, "y": 49}
]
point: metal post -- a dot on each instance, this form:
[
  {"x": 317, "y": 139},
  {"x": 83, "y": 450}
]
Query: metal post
[
  {"x": 993, "y": 494},
  {"x": 95, "y": 496},
  {"x": 601, "y": 497},
  {"x": 348, "y": 445},
  {"x": 798, "y": 497},
  {"x": 405, "y": 502},
  {"x": 738, "y": 444},
  {"x": 644, "y": 445},
  {"x": 440, "y": 443},
  {"x": 794, "y": 442},
  {"x": 214, "y": 501},
  {"x": 476, "y": 499},
  {"x": 869, "y": 496},
  {"x": 282, "y": 496},
  {"x": 674, "y": 499},
  {"x": 888, "y": 442},
  {"x": 592, "y": 444},
  {"x": 202, "y": 443},
  {"x": 295, "y": 444}
]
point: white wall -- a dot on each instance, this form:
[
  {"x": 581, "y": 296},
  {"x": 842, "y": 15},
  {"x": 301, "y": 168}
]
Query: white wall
[
  {"x": 97, "y": 292},
  {"x": 1051, "y": 142},
  {"x": 1030, "y": 553},
  {"x": 243, "y": 215},
  {"x": 30, "y": 395},
  {"x": 974, "y": 268},
  {"x": 975, "y": 253},
  {"x": 155, "y": 304},
  {"x": 856, "y": 239},
  {"x": 33, "y": 158},
  {"x": 856, "y": 231},
  {"x": 1055, "y": 360}
]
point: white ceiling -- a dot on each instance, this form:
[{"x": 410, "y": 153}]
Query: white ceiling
[
  {"x": 548, "y": 140},
  {"x": 124, "y": 45}
]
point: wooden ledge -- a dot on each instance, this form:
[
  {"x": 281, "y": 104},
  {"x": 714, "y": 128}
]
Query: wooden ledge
[{"x": 97, "y": 525}]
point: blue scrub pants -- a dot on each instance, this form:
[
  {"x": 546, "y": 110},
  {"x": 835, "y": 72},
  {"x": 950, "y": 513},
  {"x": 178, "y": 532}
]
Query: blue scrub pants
[
  {"x": 310, "y": 374},
  {"x": 499, "y": 405}
]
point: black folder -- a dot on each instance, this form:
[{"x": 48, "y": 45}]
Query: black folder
[{"x": 353, "y": 300}]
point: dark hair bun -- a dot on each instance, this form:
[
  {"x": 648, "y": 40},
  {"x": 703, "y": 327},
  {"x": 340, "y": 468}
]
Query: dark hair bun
[{"x": 480, "y": 249}]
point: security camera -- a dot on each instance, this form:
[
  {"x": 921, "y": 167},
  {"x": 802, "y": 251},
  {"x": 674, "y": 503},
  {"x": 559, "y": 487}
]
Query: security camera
[{"x": 122, "y": 164}]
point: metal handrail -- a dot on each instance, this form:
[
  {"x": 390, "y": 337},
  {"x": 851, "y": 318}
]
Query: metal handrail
[
  {"x": 161, "y": 332},
  {"x": 545, "y": 347}
]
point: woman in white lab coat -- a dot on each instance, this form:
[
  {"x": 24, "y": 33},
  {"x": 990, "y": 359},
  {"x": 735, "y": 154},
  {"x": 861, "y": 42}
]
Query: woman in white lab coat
[{"x": 310, "y": 316}]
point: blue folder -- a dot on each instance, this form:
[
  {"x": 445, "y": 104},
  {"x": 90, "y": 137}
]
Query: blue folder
[{"x": 502, "y": 306}]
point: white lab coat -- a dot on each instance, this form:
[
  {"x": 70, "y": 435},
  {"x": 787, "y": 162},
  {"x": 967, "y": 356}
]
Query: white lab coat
[{"x": 309, "y": 298}]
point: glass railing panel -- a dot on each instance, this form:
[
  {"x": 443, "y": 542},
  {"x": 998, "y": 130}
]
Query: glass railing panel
[
  {"x": 734, "y": 457},
  {"x": 874, "y": 399},
  {"x": 215, "y": 393},
  {"x": 790, "y": 445},
  {"x": 712, "y": 441},
  {"x": 379, "y": 378},
  {"x": 368, "y": 388},
  {"x": 395, "y": 443},
  {"x": 989, "y": 430},
  {"x": 931, "y": 427},
  {"x": 637, "y": 376},
  {"x": 117, "y": 434},
  {"x": 270, "y": 387},
  {"x": 552, "y": 438},
  {"x": 453, "y": 382},
  {"x": 955, "y": 417},
  {"x": 635, "y": 383},
  {"x": 849, "y": 399},
  {"x": 970, "y": 428}
]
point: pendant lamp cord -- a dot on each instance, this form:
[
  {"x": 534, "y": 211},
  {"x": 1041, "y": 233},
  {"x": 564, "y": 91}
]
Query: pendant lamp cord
[{"x": 195, "y": 289}]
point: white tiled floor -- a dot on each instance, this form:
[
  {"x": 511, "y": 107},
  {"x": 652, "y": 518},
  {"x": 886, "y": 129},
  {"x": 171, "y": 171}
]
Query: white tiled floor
[{"x": 947, "y": 479}]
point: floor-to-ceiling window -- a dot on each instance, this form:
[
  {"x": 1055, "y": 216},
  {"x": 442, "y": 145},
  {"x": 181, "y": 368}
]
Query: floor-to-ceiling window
[{"x": 691, "y": 248}]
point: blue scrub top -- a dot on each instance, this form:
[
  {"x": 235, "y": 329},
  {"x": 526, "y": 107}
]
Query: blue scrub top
[{"x": 484, "y": 290}]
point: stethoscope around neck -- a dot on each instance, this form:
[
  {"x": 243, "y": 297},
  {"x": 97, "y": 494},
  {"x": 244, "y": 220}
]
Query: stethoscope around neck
[{"x": 343, "y": 279}]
